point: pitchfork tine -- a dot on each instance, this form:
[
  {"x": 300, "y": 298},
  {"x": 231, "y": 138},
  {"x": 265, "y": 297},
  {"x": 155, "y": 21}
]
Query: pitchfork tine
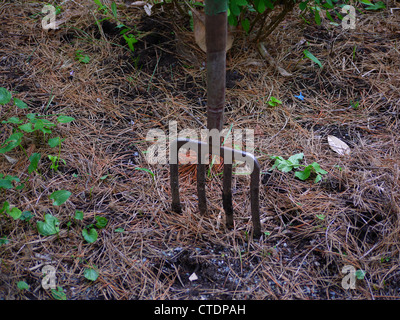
[{"x": 227, "y": 192}]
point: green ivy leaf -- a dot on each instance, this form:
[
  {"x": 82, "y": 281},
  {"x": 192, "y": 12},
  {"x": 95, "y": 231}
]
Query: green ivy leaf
[
  {"x": 14, "y": 120},
  {"x": 54, "y": 142},
  {"x": 5, "y": 96},
  {"x": 15, "y": 213},
  {"x": 26, "y": 216},
  {"x": 13, "y": 141},
  {"x": 22, "y": 285},
  {"x": 246, "y": 25},
  {"x": 20, "y": 104},
  {"x": 317, "y": 168},
  {"x": 90, "y": 235},
  {"x": 65, "y": 119},
  {"x": 295, "y": 159},
  {"x": 318, "y": 178},
  {"x": 101, "y": 222},
  {"x": 59, "y": 197},
  {"x": 58, "y": 293},
  {"x": 34, "y": 162},
  {"x": 6, "y": 207},
  {"x": 78, "y": 215},
  {"x": 27, "y": 127},
  {"x": 49, "y": 226},
  {"x": 303, "y": 175},
  {"x": 360, "y": 274},
  {"x": 6, "y": 184},
  {"x": 4, "y": 240},
  {"x": 90, "y": 274}
]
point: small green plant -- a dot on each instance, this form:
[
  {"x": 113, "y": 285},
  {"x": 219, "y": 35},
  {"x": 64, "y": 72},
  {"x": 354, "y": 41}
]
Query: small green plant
[
  {"x": 373, "y": 6},
  {"x": 130, "y": 40},
  {"x": 58, "y": 293},
  {"x": 273, "y": 102},
  {"x": 59, "y": 197},
  {"x": 309, "y": 55},
  {"x": 55, "y": 162},
  {"x": 91, "y": 273},
  {"x": 126, "y": 32},
  {"x": 354, "y": 104},
  {"x": 293, "y": 162},
  {"x": 22, "y": 285},
  {"x": 6, "y": 182},
  {"x": 90, "y": 234},
  {"x": 148, "y": 171},
  {"x": 33, "y": 123},
  {"x": 101, "y": 222},
  {"x": 84, "y": 58},
  {"x": 49, "y": 226},
  {"x": 4, "y": 240},
  {"x": 360, "y": 274}
]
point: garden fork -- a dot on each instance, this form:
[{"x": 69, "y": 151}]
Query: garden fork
[{"x": 216, "y": 38}]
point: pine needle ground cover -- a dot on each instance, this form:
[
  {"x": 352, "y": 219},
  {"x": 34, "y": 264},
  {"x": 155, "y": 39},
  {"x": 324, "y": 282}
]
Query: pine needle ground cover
[{"x": 77, "y": 194}]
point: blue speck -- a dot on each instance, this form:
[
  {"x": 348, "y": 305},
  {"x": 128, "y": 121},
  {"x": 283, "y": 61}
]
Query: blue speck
[{"x": 300, "y": 97}]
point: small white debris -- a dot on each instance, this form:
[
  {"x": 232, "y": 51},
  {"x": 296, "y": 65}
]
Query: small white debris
[
  {"x": 338, "y": 145},
  {"x": 193, "y": 277}
]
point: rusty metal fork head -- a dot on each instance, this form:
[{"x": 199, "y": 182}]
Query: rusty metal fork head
[{"x": 228, "y": 155}]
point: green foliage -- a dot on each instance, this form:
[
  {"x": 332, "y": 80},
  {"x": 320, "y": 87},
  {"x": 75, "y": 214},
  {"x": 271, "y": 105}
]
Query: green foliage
[
  {"x": 287, "y": 165},
  {"x": 5, "y": 96},
  {"x": 101, "y": 222},
  {"x": 373, "y": 6},
  {"x": 84, "y": 58},
  {"x": 22, "y": 285},
  {"x": 294, "y": 163},
  {"x": 12, "y": 142},
  {"x": 6, "y": 182},
  {"x": 360, "y": 274},
  {"x": 59, "y": 197},
  {"x": 273, "y": 102},
  {"x": 148, "y": 171},
  {"x": 91, "y": 273},
  {"x": 49, "y": 226},
  {"x": 4, "y": 240},
  {"x": 126, "y": 32},
  {"x": 55, "y": 161},
  {"x": 90, "y": 234},
  {"x": 34, "y": 162},
  {"x": 78, "y": 215},
  {"x": 310, "y": 56},
  {"x": 58, "y": 293}
]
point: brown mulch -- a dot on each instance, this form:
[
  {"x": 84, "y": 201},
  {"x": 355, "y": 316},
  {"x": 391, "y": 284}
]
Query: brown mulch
[{"x": 311, "y": 230}]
